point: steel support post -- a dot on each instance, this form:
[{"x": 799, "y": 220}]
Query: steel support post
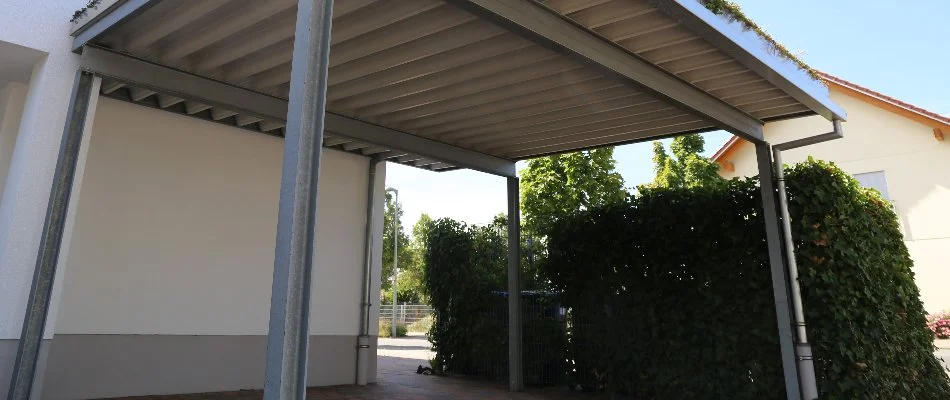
[
  {"x": 803, "y": 353},
  {"x": 78, "y": 120},
  {"x": 285, "y": 376},
  {"x": 395, "y": 260},
  {"x": 363, "y": 341},
  {"x": 780, "y": 284},
  {"x": 515, "y": 372}
]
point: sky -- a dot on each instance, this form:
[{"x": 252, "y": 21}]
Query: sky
[{"x": 901, "y": 49}]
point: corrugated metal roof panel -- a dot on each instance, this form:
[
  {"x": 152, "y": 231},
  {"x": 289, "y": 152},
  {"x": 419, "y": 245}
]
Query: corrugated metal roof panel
[{"x": 431, "y": 69}]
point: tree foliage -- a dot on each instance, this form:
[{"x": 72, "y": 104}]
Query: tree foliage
[
  {"x": 559, "y": 185},
  {"x": 686, "y": 167},
  {"x": 412, "y": 277},
  {"x": 466, "y": 277},
  {"x": 407, "y": 258}
]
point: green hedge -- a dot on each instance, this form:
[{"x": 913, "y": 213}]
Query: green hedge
[
  {"x": 386, "y": 329},
  {"x": 461, "y": 271},
  {"x": 671, "y": 293},
  {"x": 465, "y": 273}
]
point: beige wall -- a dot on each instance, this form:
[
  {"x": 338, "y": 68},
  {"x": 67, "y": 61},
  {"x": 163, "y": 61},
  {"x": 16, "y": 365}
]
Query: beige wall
[
  {"x": 176, "y": 224},
  {"x": 916, "y": 166},
  {"x": 166, "y": 283}
]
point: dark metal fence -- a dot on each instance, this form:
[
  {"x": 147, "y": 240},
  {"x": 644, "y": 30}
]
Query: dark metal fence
[{"x": 544, "y": 332}]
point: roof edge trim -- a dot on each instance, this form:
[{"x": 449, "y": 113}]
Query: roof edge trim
[
  {"x": 929, "y": 118},
  {"x": 753, "y": 51}
]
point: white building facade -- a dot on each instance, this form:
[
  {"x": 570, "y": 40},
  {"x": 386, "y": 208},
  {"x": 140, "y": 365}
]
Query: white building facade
[
  {"x": 164, "y": 279},
  {"x": 890, "y": 146}
]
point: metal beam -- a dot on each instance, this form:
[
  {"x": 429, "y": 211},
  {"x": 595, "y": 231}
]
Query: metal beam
[
  {"x": 515, "y": 371},
  {"x": 544, "y": 26},
  {"x": 780, "y": 284},
  {"x": 78, "y": 120},
  {"x": 747, "y": 47},
  {"x": 170, "y": 81},
  {"x": 203, "y": 90},
  {"x": 428, "y": 148},
  {"x": 109, "y": 19},
  {"x": 285, "y": 376}
]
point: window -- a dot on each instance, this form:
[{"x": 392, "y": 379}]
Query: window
[{"x": 874, "y": 180}]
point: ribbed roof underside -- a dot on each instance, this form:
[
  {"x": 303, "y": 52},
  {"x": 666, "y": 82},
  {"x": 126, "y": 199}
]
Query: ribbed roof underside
[
  {"x": 333, "y": 140},
  {"x": 647, "y": 32},
  {"x": 428, "y": 68}
]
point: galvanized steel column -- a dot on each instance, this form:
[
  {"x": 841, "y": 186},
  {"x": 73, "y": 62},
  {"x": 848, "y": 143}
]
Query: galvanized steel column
[
  {"x": 285, "y": 376},
  {"x": 363, "y": 340},
  {"x": 780, "y": 284},
  {"x": 515, "y": 372},
  {"x": 84, "y": 96}
]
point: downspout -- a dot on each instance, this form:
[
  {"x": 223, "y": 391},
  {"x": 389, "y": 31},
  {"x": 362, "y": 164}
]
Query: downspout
[
  {"x": 363, "y": 341},
  {"x": 803, "y": 353}
]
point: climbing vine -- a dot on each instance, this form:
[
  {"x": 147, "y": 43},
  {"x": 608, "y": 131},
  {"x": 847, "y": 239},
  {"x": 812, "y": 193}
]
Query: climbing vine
[
  {"x": 671, "y": 293},
  {"x": 733, "y": 12},
  {"x": 91, "y": 5}
]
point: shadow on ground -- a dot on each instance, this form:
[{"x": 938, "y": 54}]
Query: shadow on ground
[{"x": 398, "y": 360}]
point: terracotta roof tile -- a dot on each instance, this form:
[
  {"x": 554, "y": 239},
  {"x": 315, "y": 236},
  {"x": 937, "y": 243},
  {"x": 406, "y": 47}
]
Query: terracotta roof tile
[{"x": 889, "y": 99}]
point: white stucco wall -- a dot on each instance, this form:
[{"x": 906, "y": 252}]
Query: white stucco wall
[
  {"x": 916, "y": 166},
  {"x": 42, "y": 26},
  {"x": 12, "y": 99},
  {"x": 175, "y": 230}
]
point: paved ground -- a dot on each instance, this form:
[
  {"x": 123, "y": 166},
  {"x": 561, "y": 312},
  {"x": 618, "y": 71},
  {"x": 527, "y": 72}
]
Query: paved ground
[
  {"x": 398, "y": 360},
  {"x": 943, "y": 352},
  {"x": 945, "y": 355}
]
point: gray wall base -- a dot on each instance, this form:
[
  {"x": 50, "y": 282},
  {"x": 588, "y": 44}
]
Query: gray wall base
[
  {"x": 99, "y": 366},
  {"x": 8, "y": 349}
]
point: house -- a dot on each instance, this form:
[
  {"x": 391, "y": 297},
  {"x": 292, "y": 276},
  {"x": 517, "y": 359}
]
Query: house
[
  {"x": 192, "y": 190},
  {"x": 889, "y": 145}
]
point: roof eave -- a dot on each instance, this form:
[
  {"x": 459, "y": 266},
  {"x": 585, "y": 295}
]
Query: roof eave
[{"x": 754, "y": 52}]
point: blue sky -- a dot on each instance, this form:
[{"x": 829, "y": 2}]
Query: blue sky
[{"x": 901, "y": 49}]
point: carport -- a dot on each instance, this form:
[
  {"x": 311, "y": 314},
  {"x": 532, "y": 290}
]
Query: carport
[{"x": 434, "y": 84}]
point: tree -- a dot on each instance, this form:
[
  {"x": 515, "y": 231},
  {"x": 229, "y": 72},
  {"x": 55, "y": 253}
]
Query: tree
[
  {"x": 559, "y": 185},
  {"x": 420, "y": 231},
  {"x": 687, "y": 167},
  {"x": 406, "y": 256},
  {"x": 411, "y": 278}
]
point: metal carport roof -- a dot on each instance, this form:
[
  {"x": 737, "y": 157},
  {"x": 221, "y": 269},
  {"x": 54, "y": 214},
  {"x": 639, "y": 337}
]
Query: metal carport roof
[
  {"x": 435, "y": 84},
  {"x": 509, "y": 80}
]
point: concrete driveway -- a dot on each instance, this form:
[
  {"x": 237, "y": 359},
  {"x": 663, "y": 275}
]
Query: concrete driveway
[
  {"x": 398, "y": 359},
  {"x": 945, "y": 355},
  {"x": 397, "y": 380}
]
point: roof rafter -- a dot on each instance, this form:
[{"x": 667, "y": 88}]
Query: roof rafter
[
  {"x": 546, "y": 27},
  {"x": 233, "y": 99}
]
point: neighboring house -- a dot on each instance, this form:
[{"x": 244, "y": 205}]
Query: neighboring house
[{"x": 888, "y": 145}]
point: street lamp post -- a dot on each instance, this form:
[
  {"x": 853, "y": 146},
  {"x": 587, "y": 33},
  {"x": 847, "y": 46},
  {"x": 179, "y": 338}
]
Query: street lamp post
[{"x": 395, "y": 255}]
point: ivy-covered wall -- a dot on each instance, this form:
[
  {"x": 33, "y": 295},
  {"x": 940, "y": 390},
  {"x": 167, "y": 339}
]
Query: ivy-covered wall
[{"x": 673, "y": 292}]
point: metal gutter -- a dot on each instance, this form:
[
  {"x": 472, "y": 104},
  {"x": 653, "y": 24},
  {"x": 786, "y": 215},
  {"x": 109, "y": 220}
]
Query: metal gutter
[
  {"x": 803, "y": 353},
  {"x": 363, "y": 341}
]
